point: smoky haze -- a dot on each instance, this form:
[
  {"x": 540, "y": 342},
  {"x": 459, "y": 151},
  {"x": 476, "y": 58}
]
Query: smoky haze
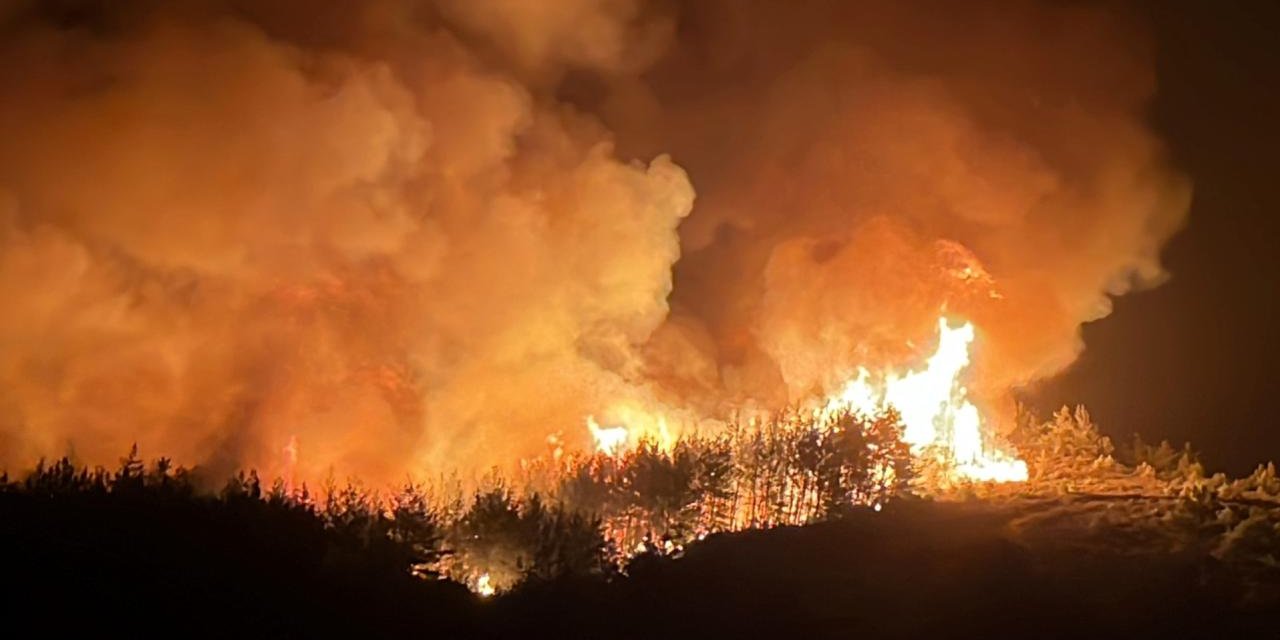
[{"x": 387, "y": 235}]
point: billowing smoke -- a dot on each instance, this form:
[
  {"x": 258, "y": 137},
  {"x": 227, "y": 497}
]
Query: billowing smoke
[
  {"x": 376, "y": 236},
  {"x": 232, "y": 226},
  {"x": 862, "y": 167}
]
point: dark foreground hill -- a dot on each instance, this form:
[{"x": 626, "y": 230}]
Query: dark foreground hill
[
  {"x": 918, "y": 569},
  {"x": 923, "y": 570}
]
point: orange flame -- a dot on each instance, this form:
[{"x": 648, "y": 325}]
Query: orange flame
[
  {"x": 938, "y": 417},
  {"x": 935, "y": 409},
  {"x": 630, "y": 424}
]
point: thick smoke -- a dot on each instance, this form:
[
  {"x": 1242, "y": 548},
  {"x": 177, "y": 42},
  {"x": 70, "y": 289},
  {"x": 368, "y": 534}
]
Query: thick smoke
[
  {"x": 376, "y": 236},
  {"x": 230, "y": 229},
  {"x": 862, "y": 167}
]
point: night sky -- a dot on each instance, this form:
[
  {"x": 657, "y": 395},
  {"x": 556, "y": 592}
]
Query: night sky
[{"x": 1195, "y": 359}]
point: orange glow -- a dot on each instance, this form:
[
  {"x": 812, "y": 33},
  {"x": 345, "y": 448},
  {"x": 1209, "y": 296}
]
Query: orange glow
[
  {"x": 935, "y": 409},
  {"x": 609, "y": 440},
  {"x": 483, "y": 587},
  {"x": 939, "y": 419},
  {"x": 628, "y": 425}
]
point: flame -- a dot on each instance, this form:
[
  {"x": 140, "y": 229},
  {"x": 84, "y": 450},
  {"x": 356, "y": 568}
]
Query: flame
[
  {"x": 935, "y": 409},
  {"x": 631, "y": 423},
  {"x": 609, "y": 440},
  {"x": 938, "y": 418},
  {"x": 483, "y": 587}
]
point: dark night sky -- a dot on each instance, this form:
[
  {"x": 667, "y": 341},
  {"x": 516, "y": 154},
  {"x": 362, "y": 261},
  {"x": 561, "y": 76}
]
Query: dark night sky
[{"x": 1195, "y": 359}]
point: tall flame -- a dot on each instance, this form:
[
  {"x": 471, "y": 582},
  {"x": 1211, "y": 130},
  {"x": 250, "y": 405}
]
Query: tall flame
[
  {"x": 935, "y": 409},
  {"x": 938, "y": 417}
]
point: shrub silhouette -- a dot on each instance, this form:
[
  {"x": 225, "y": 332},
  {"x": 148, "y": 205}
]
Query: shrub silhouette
[{"x": 143, "y": 540}]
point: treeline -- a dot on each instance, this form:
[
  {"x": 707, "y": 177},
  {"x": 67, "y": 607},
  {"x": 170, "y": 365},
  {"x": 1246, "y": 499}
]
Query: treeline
[
  {"x": 1158, "y": 493},
  {"x": 339, "y": 528},
  {"x": 591, "y": 514},
  {"x": 790, "y": 470},
  {"x": 576, "y": 515},
  {"x": 1068, "y": 451},
  {"x": 259, "y": 557},
  {"x": 141, "y": 550}
]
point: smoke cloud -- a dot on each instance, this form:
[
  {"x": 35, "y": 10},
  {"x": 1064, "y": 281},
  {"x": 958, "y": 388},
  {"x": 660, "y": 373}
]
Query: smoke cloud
[
  {"x": 863, "y": 167},
  {"x": 394, "y": 234}
]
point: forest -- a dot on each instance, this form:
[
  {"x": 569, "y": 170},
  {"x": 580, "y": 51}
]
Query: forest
[{"x": 715, "y": 533}]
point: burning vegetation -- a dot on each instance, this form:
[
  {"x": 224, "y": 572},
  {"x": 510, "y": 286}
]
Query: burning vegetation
[
  {"x": 599, "y": 514},
  {"x": 401, "y": 235},
  {"x": 601, "y": 279}
]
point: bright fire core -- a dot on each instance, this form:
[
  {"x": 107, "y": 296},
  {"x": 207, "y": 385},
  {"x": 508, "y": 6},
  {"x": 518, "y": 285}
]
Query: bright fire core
[
  {"x": 935, "y": 409},
  {"x": 938, "y": 418}
]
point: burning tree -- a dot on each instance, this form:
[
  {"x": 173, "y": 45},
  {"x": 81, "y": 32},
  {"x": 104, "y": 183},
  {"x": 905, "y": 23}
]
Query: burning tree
[{"x": 792, "y": 469}]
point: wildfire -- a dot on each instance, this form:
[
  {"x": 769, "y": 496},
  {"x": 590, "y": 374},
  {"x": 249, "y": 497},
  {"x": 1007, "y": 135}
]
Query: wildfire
[
  {"x": 935, "y": 409},
  {"x": 484, "y": 587},
  {"x": 609, "y": 440},
  {"x": 938, "y": 417},
  {"x": 630, "y": 424}
]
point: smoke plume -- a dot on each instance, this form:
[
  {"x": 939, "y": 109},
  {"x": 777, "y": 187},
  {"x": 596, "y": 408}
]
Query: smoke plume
[
  {"x": 863, "y": 167},
  {"x": 369, "y": 237}
]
